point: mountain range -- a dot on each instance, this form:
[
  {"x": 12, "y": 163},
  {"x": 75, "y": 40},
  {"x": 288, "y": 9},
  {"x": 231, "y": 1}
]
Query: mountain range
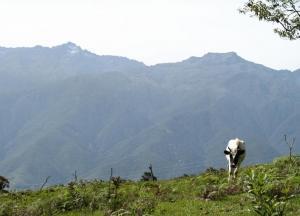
[{"x": 64, "y": 109}]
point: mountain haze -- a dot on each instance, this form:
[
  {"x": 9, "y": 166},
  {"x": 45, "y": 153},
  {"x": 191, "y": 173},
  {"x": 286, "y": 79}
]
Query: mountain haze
[{"x": 64, "y": 109}]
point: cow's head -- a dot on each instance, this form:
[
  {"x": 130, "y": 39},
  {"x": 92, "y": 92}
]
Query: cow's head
[{"x": 234, "y": 155}]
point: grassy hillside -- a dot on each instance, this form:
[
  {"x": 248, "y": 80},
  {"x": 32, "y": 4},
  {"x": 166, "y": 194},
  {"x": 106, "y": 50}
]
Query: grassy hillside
[{"x": 270, "y": 187}]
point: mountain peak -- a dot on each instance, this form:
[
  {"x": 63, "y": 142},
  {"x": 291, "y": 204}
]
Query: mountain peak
[
  {"x": 69, "y": 44},
  {"x": 229, "y": 57},
  {"x": 71, "y": 47},
  {"x": 228, "y": 54}
]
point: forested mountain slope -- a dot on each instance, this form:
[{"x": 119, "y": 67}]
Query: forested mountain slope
[{"x": 64, "y": 109}]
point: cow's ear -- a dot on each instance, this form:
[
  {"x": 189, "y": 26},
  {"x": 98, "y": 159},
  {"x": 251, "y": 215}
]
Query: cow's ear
[{"x": 226, "y": 152}]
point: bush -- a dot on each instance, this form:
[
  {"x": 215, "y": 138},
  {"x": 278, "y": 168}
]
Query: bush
[
  {"x": 286, "y": 166},
  {"x": 214, "y": 192},
  {"x": 6, "y": 208},
  {"x": 260, "y": 186}
]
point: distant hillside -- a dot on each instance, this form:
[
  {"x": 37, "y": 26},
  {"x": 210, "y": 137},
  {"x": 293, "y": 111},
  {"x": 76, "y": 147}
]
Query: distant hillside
[{"x": 64, "y": 109}]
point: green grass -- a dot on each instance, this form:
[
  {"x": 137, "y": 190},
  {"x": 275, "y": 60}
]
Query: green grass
[
  {"x": 206, "y": 194},
  {"x": 232, "y": 205}
]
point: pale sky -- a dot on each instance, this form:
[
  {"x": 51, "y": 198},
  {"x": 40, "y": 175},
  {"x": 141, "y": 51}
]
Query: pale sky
[{"x": 151, "y": 31}]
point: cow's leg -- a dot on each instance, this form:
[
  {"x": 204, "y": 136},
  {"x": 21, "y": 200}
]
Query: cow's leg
[
  {"x": 235, "y": 172},
  {"x": 229, "y": 172}
]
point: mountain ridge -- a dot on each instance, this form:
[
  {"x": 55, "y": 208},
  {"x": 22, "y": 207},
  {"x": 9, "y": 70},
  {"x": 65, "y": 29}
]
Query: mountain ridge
[
  {"x": 63, "y": 111},
  {"x": 207, "y": 56}
]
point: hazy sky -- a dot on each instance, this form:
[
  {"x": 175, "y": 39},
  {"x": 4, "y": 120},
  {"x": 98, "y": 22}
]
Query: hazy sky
[{"x": 151, "y": 31}]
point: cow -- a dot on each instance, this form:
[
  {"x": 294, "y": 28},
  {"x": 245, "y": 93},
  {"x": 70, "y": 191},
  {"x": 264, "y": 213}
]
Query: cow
[{"x": 235, "y": 153}]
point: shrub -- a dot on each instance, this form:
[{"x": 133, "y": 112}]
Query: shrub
[
  {"x": 6, "y": 208},
  {"x": 213, "y": 192},
  {"x": 260, "y": 187}
]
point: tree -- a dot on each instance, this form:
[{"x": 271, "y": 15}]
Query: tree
[
  {"x": 45, "y": 182},
  {"x": 149, "y": 176},
  {"x": 4, "y": 183},
  {"x": 290, "y": 144},
  {"x": 286, "y": 13}
]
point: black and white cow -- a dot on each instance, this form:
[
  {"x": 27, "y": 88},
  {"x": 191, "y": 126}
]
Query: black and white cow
[{"x": 235, "y": 153}]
